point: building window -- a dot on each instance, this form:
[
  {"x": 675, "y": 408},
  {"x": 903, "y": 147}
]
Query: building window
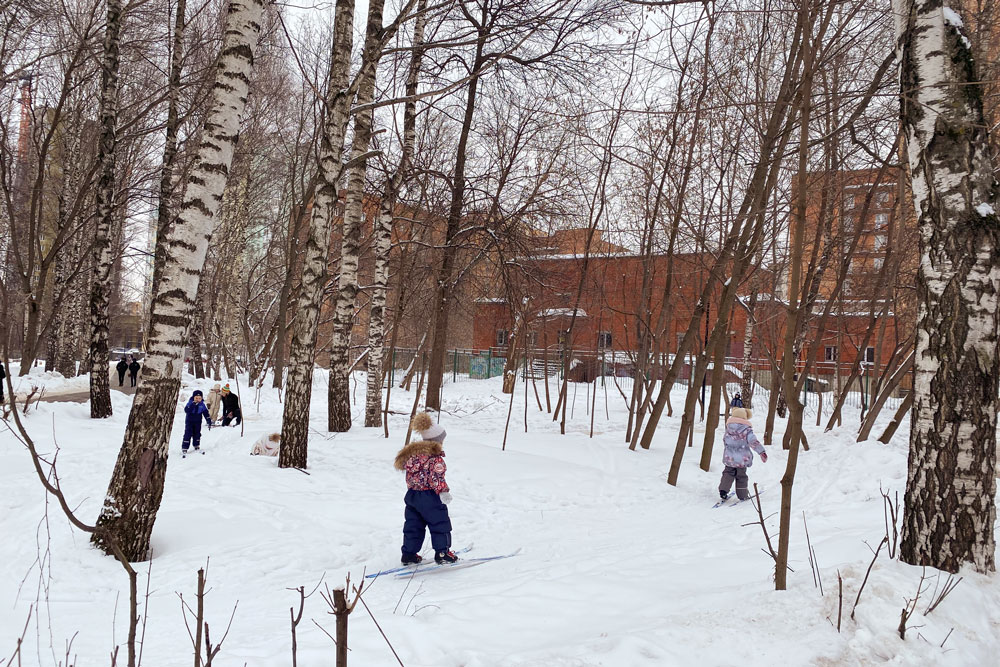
[
  {"x": 533, "y": 339},
  {"x": 881, "y": 220},
  {"x": 878, "y": 262},
  {"x": 870, "y": 355},
  {"x": 604, "y": 339},
  {"x": 502, "y": 337},
  {"x": 848, "y": 202},
  {"x": 881, "y": 240},
  {"x": 848, "y": 223},
  {"x": 831, "y": 352},
  {"x": 848, "y": 286},
  {"x": 882, "y": 199}
]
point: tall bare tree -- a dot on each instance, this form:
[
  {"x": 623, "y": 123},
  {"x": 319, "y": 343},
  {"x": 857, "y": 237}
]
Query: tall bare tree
[
  {"x": 302, "y": 350},
  {"x": 106, "y": 218},
  {"x": 136, "y": 485},
  {"x": 339, "y": 403},
  {"x": 382, "y": 231}
]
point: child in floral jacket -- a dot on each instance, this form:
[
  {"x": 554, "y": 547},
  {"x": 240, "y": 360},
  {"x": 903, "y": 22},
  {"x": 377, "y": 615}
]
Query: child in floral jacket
[
  {"x": 427, "y": 492},
  {"x": 740, "y": 443}
]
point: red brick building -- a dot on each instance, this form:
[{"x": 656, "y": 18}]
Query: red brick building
[
  {"x": 863, "y": 217},
  {"x": 608, "y": 316}
]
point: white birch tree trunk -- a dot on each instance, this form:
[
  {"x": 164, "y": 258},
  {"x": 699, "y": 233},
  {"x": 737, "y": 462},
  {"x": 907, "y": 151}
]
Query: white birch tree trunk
[
  {"x": 302, "y": 349},
  {"x": 136, "y": 486},
  {"x": 382, "y": 231},
  {"x": 163, "y": 209},
  {"x": 746, "y": 382},
  {"x": 339, "y": 398},
  {"x": 100, "y": 289},
  {"x": 951, "y": 485}
]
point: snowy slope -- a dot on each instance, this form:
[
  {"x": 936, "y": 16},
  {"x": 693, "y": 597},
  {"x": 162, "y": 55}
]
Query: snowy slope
[{"x": 618, "y": 568}]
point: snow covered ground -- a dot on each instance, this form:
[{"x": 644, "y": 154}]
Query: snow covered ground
[{"x": 618, "y": 568}]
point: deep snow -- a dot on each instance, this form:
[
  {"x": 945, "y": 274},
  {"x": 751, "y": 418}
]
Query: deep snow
[{"x": 618, "y": 568}]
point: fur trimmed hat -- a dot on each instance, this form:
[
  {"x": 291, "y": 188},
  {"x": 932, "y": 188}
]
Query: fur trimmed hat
[
  {"x": 741, "y": 413},
  {"x": 424, "y": 424}
]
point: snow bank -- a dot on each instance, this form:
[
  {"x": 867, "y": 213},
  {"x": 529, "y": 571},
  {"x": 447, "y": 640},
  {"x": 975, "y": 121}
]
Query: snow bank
[{"x": 618, "y": 568}]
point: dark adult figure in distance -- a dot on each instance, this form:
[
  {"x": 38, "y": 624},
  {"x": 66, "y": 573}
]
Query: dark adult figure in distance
[
  {"x": 133, "y": 370},
  {"x": 231, "y": 411},
  {"x": 3, "y": 376},
  {"x": 121, "y": 367}
]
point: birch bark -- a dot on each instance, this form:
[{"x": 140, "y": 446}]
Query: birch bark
[
  {"x": 100, "y": 288},
  {"x": 136, "y": 486},
  {"x": 302, "y": 349},
  {"x": 746, "y": 382},
  {"x": 339, "y": 397},
  {"x": 383, "y": 229},
  {"x": 169, "y": 145},
  {"x": 950, "y": 489}
]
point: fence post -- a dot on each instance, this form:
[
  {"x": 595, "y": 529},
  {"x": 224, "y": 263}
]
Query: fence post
[{"x": 454, "y": 366}]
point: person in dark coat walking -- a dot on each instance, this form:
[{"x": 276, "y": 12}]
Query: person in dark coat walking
[
  {"x": 121, "y": 367},
  {"x": 133, "y": 370},
  {"x": 231, "y": 412},
  {"x": 3, "y": 376},
  {"x": 194, "y": 411}
]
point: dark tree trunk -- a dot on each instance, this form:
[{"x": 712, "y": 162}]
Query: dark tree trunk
[{"x": 100, "y": 289}]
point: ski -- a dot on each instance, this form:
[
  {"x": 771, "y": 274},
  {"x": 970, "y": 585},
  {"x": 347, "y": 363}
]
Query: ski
[
  {"x": 722, "y": 502},
  {"x": 413, "y": 566},
  {"x": 728, "y": 502},
  {"x": 461, "y": 564}
]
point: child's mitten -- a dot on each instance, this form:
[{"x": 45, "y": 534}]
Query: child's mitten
[
  {"x": 446, "y": 497},
  {"x": 763, "y": 457}
]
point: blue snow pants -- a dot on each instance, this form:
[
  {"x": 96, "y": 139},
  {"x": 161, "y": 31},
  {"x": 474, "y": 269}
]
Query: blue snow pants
[
  {"x": 424, "y": 509},
  {"x": 192, "y": 433}
]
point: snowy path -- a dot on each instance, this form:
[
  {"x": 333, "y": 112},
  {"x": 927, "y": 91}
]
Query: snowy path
[{"x": 617, "y": 567}]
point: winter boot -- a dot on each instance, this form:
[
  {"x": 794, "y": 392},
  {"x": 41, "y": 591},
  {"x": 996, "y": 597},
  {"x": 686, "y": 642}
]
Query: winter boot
[
  {"x": 411, "y": 559},
  {"x": 723, "y": 494},
  {"x": 446, "y": 556}
]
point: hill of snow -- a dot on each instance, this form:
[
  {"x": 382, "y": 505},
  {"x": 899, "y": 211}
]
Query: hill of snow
[{"x": 617, "y": 568}]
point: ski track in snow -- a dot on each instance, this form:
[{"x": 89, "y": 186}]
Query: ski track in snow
[{"x": 618, "y": 568}]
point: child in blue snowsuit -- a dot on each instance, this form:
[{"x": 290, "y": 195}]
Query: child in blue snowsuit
[
  {"x": 195, "y": 410},
  {"x": 428, "y": 494}
]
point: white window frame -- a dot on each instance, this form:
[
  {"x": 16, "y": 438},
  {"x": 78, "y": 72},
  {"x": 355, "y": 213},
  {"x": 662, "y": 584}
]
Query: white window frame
[
  {"x": 604, "y": 340},
  {"x": 881, "y": 198},
  {"x": 502, "y": 336},
  {"x": 830, "y": 353},
  {"x": 881, "y": 220}
]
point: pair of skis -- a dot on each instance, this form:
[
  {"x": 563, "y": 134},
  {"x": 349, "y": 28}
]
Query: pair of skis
[{"x": 419, "y": 569}]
